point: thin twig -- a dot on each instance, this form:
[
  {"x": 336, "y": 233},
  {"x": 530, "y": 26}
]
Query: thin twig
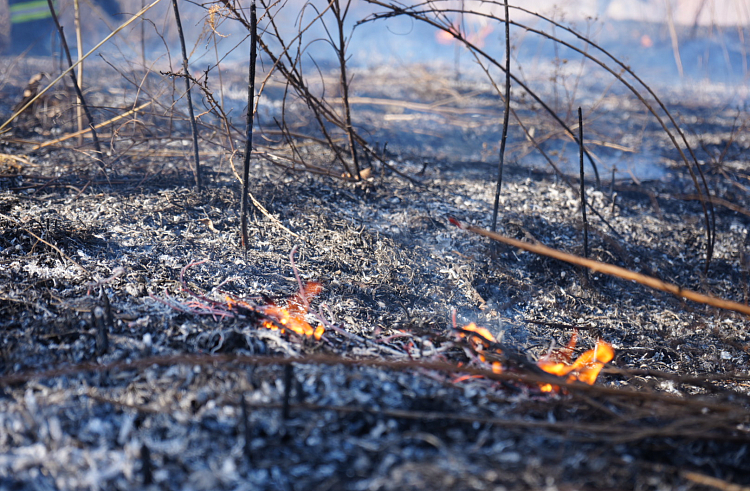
[
  {"x": 77, "y": 87},
  {"x": 341, "y": 52},
  {"x": 506, "y": 116},
  {"x": 583, "y": 187},
  {"x": 197, "y": 168}
]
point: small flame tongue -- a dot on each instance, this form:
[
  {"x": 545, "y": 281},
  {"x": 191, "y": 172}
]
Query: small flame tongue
[
  {"x": 293, "y": 317},
  {"x": 585, "y": 369}
]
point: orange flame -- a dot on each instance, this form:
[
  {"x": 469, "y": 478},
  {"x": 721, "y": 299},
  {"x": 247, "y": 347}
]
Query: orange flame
[
  {"x": 293, "y": 316},
  {"x": 558, "y": 362},
  {"x": 585, "y": 369},
  {"x": 480, "y": 331},
  {"x": 481, "y": 338}
]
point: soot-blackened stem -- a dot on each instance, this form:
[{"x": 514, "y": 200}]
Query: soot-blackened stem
[
  {"x": 288, "y": 377},
  {"x": 583, "y": 187},
  {"x": 249, "y": 138}
]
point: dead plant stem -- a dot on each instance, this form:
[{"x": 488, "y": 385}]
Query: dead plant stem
[
  {"x": 193, "y": 126},
  {"x": 77, "y": 87},
  {"x": 249, "y": 126},
  {"x": 79, "y": 49},
  {"x": 341, "y": 52},
  {"x": 506, "y": 116},
  {"x": 609, "y": 269},
  {"x": 583, "y": 187}
]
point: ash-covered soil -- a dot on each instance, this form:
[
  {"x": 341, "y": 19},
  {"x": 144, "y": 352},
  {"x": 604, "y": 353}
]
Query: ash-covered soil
[{"x": 159, "y": 403}]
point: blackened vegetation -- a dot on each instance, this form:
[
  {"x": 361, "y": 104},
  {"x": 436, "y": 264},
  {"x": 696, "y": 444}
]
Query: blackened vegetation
[
  {"x": 249, "y": 125},
  {"x": 134, "y": 337},
  {"x": 390, "y": 281}
]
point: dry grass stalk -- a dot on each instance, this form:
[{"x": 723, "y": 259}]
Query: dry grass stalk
[
  {"x": 609, "y": 269},
  {"x": 193, "y": 126},
  {"x": 77, "y": 86},
  {"x": 76, "y": 64},
  {"x": 506, "y": 116}
]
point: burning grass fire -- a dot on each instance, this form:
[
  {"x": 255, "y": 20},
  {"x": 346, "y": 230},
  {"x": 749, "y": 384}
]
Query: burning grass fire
[
  {"x": 271, "y": 316},
  {"x": 558, "y": 362},
  {"x": 291, "y": 317},
  {"x": 481, "y": 345}
]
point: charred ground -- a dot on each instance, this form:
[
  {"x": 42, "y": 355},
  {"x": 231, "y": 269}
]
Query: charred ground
[{"x": 162, "y": 403}]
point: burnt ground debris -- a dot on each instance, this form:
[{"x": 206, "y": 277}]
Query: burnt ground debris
[{"x": 154, "y": 407}]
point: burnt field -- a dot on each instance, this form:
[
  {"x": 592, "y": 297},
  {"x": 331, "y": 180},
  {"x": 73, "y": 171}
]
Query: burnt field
[{"x": 362, "y": 340}]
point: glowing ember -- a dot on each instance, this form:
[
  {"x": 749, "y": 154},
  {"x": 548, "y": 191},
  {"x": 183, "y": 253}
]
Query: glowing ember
[
  {"x": 585, "y": 369},
  {"x": 293, "y": 316}
]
